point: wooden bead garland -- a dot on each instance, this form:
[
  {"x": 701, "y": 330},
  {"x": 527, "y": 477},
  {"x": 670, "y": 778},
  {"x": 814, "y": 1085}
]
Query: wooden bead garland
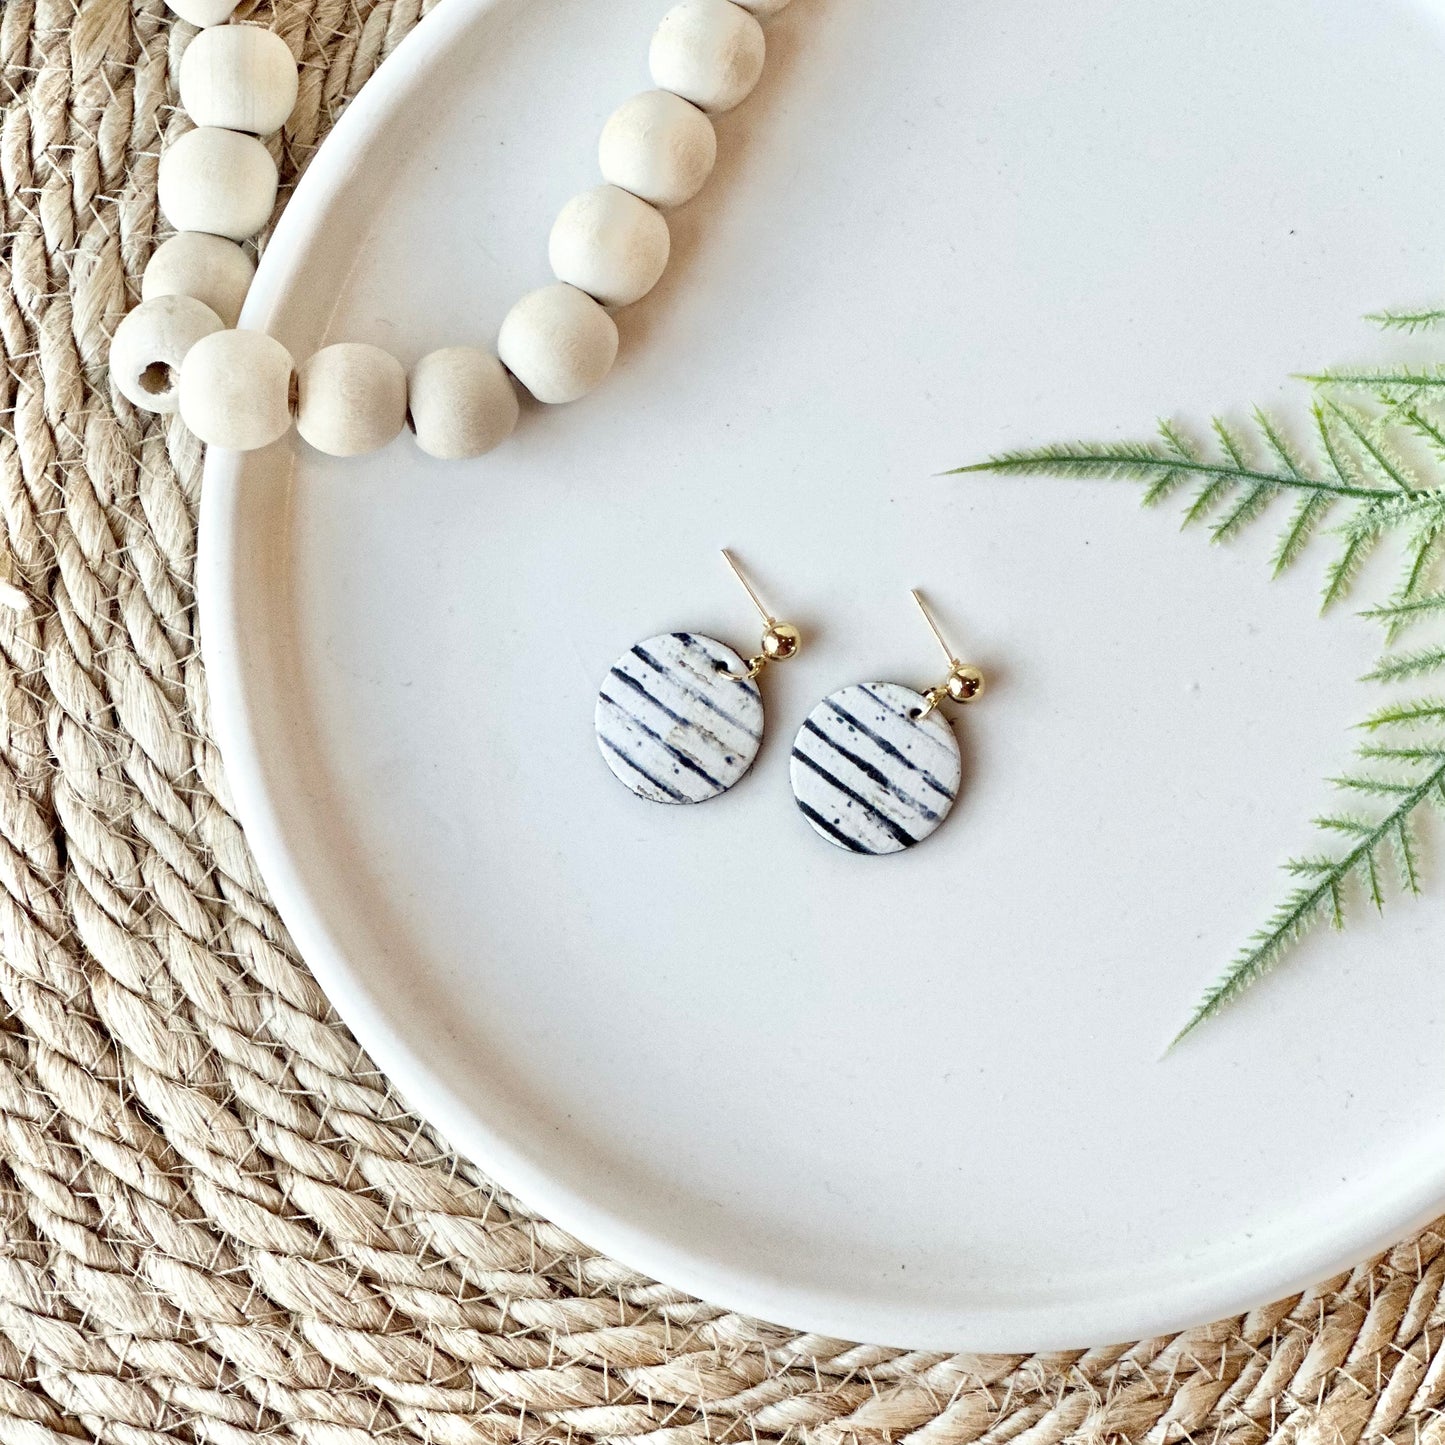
[
  {"x": 235, "y": 390},
  {"x": 203, "y": 12},
  {"x": 210, "y": 268},
  {"x": 240, "y": 77},
  {"x": 558, "y": 342},
  {"x": 608, "y": 248},
  {"x": 149, "y": 346},
  {"x": 609, "y": 244},
  {"x": 350, "y": 399},
  {"x": 709, "y": 52},
  {"x": 660, "y": 147},
  {"x": 218, "y": 181},
  {"x": 462, "y": 403}
]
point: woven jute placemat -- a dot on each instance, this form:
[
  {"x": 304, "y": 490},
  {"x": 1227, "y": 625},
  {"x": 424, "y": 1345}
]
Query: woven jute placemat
[{"x": 216, "y": 1221}]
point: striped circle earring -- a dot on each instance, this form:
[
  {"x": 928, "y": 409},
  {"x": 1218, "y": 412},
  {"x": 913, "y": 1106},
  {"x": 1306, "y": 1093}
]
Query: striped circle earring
[
  {"x": 876, "y": 767},
  {"x": 680, "y": 716}
]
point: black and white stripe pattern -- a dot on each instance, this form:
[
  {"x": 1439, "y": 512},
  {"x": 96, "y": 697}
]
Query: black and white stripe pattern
[
  {"x": 870, "y": 774},
  {"x": 673, "y": 725}
]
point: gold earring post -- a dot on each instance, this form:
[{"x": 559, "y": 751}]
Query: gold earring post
[
  {"x": 935, "y": 629},
  {"x": 781, "y": 640},
  {"x": 964, "y": 683},
  {"x": 763, "y": 612}
]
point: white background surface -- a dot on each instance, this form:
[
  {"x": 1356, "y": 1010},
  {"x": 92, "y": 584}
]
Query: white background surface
[{"x": 916, "y": 1099}]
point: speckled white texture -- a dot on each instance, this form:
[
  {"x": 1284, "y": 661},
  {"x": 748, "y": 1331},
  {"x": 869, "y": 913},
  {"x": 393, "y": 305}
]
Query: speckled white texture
[
  {"x": 678, "y": 720},
  {"x": 870, "y": 773}
]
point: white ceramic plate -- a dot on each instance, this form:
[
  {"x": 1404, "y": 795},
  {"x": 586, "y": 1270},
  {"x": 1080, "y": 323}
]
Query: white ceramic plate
[{"x": 921, "y": 1099}]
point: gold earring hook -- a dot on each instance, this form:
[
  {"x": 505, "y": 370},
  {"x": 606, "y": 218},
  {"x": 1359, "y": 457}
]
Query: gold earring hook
[
  {"x": 964, "y": 683},
  {"x": 781, "y": 640}
]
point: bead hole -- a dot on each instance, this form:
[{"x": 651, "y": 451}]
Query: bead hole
[
  {"x": 915, "y": 713},
  {"x": 157, "y": 379}
]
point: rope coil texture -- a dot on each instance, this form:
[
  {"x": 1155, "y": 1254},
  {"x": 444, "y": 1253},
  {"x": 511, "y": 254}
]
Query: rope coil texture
[{"x": 217, "y": 1224}]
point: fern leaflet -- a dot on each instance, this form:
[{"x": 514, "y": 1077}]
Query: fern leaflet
[
  {"x": 1407, "y": 320},
  {"x": 1329, "y": 880},
  {"x": 1356, "y": 478}
]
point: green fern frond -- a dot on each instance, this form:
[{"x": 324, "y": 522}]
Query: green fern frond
[
  {"x": 1276, "y": 443},
  {"x": 1355, "y": 465},
  {"x": 1392, "y": 833},
  {"x": 1406, "y": 320},
  {"x": 1399, "y": 666},
  {"x": 1371, "y": 439},
  {"x": 1345, "y": 471},
  {"x": 1176, "y": 442},
  {"x": 1402, "y": 612},
  {"x": 1205, "y": 499},
  {"x": 1377, "y": 752},
  {"x": 1293, "y": 918},
  {"x": 1229, "y": 444},
  {"x": 1108, "y": 461},
  {"x": 1412, "y": 713},
  {"x": 1429, "y": 431},
  {"x": 1397, "y": 385},
  {"x": 1407, "y": 868},
  {"x": 1309, "y": 512},
  {"x": 1421, "y": 553},
  {"x": 1341, "y": 573},
  {"x": 1354, "y": 486},
  {"x": 1310, "y": 867},
  {"x": 1414, "y": 513},
  {"x": 1162, "y": 487},
  {"x": 1372, "y": 787},
  {"x": 1341, "y": 823},
  {"x": 1145, "y": 462},
  {"x": 1178, "y": 446},
  {"x": 1246, "y": 507},
  {"x": 1370, "y": 876}
]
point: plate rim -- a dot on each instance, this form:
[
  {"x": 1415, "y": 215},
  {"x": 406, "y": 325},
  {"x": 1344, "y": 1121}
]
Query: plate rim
[{"x": 1025, "y": 1327}]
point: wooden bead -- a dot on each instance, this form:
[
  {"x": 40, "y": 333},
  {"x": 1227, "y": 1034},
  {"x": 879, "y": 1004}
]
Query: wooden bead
[
  {"x": 149, "y": 345},
  {"x": 240, "y": 77},
  {"x": 658, "y": 146},
  {"x": 709, "y": 52},
  {"x": 203, "y": 12},
  {"x": 558, "y": 342},
  {"x": 763, "y": 9},
  {"x": 218, "y": 181},
  {"x": 210, "y": 268},
  {"x": 350, "y": 399},
  {"x": 236, "y": 390},
  {"x": 609, "y": 244},
  {"x": 462, "y": 402}
]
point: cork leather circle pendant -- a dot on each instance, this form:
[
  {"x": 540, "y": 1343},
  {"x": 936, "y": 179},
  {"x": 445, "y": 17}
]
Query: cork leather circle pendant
[
  {"x": 678, "y": 720},
  {"x": 871, "y": 773}
]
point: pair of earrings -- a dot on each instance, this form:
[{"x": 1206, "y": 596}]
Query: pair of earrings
[{"x": 875, "y": 767}]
